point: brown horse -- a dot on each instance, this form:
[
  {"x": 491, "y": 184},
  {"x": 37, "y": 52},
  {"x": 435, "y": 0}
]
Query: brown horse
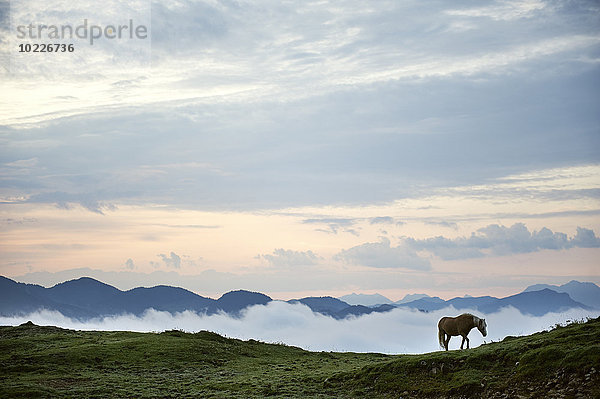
[{"x": 460, "y": 325}]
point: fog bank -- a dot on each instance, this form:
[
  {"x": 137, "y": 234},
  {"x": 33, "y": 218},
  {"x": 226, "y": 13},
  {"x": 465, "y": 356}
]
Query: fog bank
[{"x": 398, "y": 331}]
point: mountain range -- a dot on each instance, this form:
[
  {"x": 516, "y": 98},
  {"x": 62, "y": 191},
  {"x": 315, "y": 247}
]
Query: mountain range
[
  {"x": 378, "y": 299},
  {"x": 587, "y": 293},
  {"x": 577, "y": 294},
  {"x": 536, "y": 303},
  {"x": 86, "y": 298},
  {"x": 365, "y": 299}
]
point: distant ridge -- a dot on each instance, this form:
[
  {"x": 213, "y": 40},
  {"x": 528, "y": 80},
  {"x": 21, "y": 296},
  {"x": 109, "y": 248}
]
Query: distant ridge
[
  {"x": 412, "y": 297},
  {"x": 365, "y": 299},
  {"x": 86, "y": 298},
  {"x": 536, "y": 303},
  {"x": 235, "y": 301},
  {"x": 586, "y": 293},
  {"x": 325, "y": 304}
]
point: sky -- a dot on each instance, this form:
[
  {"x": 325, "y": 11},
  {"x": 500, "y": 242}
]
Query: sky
[{"x": 304, "y": 148}]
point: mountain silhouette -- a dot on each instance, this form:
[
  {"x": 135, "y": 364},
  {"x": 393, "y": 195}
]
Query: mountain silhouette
[
  {"x": 86, "y": 298},
  {"x": 586, "y": 293},
  {"x": 426, "y": 303},
  {"x": 411, "y": 297},
  {"x": 164, "y": 298},
  {"x": 359, "y": 310},
  {"x": 365, "y": 299},
  {"x": 235, "y": 301},
  {"x": 536, "y": 303},
  {"x": 20, "y": 298},
  {"x": 325, "y": 304},
  {"x": 339, "y": 309}
]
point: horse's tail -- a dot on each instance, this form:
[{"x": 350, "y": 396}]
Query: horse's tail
[{"x": 441, "y": 336}]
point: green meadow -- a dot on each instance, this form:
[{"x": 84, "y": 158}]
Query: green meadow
[{"x": 37, "y": 361}]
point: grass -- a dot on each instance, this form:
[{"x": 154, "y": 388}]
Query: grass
[{"x": 40, "y": 361}]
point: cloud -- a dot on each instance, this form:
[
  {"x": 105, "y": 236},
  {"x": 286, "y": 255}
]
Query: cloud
[
  {"x": 364, "y": 167},
  {"x": 23, "y": 163},
  {"x": 503, "y": 11},
  {"x": 385, "y": 220},
  {"x": 173, "y": 260},
  {"x": 382, "y": 220},
  {"x": 585, "y": 238},
  {"x": 129, "y": 264},
  {"x": 91, "y": 201},
  {"x": 383, "y": 255},
  {"x": 289, "y": 258},
  {"x": 450, "y": 225},
  {"x": 445, "y": 248},
  {"x": 187, "y": 226},
  {"x": 19, "y": 221},
  {"x": 397, "y": 331},
  {"x": 334, "y": 225},
  {"x": 332, "y": 221},
  {"x": 93, "y": 57},
  {"x": 289, "y": 126},
  {"x": 500, "y": 240}
]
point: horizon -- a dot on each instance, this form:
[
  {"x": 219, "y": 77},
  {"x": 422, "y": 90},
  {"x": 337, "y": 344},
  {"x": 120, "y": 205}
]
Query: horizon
[
  {"x": 288, "y": 298},
  {"x": 305, "y": 149}
]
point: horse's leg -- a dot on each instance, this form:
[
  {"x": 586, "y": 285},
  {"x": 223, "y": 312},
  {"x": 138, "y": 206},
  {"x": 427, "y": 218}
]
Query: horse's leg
[
  {"x": 467, "y": 338},
  {"x": 447, "y": 341},
  {"x": 463, "y": 342}
]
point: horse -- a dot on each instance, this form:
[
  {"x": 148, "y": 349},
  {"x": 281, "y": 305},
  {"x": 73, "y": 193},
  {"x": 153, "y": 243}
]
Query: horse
[{"x": 460, "y": 325}]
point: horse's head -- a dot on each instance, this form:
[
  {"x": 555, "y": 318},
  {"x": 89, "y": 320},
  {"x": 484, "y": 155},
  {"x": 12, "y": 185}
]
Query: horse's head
[{"x": 482, "y": 327}]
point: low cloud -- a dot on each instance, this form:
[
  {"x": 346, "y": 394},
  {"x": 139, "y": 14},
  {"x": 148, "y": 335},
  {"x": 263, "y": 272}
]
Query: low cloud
[
  {"x": 501, "y": 240},
  {"x": 289, "y": 258},
  {"x": 585, "y": 238},
  {"x": 23, "y": 163},
  {"x": 173, "y": 260},
  {"x": 386, "y": 220},
  {"x": 335, "y": 221},
  {"x": 333, "y": 225},
  {"x": 492, "y": 240},
  {"x": 382, "y": 255},
  {"x": 442, "y": 223},
  {"x": 347, "y": 225},
  {"x": 397, "y": 331},
  {"x": 129, "y": 264},
  {"x": 63, "y": 200}
]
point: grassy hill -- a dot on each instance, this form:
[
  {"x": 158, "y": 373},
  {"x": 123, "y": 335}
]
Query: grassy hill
[{"x": 52, "y": 362}]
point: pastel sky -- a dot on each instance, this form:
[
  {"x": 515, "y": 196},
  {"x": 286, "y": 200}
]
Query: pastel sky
[{"x": 306, "y": 147}]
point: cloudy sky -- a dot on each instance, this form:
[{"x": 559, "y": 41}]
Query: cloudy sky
[{"x": 305, "y": 147}]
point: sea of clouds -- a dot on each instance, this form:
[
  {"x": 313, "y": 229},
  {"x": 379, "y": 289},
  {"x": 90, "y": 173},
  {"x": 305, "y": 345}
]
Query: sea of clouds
[{"x": 398, "y": 331}]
